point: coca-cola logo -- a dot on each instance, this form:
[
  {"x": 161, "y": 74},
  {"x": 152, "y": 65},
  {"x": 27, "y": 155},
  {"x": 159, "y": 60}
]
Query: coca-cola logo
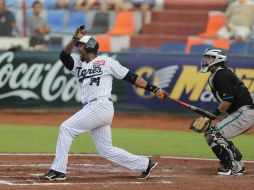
[{"x": 39, "y": 81}]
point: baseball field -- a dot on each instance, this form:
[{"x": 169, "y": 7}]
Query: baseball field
[{"x": 185, "y": 161}]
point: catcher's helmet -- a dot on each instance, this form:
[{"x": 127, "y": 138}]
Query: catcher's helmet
[
  {"x": 220, "y": 58},
  {"x": 91, "y": 44}
]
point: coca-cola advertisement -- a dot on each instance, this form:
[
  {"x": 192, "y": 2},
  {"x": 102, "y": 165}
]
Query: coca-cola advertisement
[
  {"x": 39, "y": 80},
  {"x": 35, "y": 82}
]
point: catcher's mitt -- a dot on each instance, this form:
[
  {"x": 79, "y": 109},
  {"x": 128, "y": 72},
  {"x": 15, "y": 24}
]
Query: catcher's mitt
[{"x": 200, "y": 124}]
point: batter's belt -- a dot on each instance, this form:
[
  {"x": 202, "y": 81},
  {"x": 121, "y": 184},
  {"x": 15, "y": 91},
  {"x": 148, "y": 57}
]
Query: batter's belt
[{"x": 95, "y": 99}]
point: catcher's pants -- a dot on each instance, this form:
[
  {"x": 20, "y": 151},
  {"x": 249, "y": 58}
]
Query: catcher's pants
[
  {"x": 96, "y": 117},
  {"x": 237, "y": 122}
]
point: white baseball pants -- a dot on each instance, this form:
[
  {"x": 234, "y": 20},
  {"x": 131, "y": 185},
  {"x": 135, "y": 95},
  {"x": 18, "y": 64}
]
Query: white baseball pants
[{"x": 95, "y": 117}]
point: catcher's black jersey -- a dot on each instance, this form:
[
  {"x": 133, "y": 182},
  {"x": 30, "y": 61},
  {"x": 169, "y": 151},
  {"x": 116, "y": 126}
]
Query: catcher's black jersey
[{"x": 226, "y": 86}]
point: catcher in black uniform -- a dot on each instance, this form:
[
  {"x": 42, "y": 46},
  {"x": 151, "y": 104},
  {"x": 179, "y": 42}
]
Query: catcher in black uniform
[{"x": 235, "y": 100}]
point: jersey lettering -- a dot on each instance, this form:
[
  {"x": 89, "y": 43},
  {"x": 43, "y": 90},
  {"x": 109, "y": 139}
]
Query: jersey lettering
[
  {"x": 95, "y": 80},
  {"x": 88, "y": 73}
]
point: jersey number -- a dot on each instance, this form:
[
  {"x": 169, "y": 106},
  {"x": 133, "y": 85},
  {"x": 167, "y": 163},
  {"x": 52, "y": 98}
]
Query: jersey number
[{"x": 95, "y": 81}]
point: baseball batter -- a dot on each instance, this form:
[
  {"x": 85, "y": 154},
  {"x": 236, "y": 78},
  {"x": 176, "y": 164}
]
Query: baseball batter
[
  {"x": 94, "y": 75},
  {"x": 234, "y": 99}
]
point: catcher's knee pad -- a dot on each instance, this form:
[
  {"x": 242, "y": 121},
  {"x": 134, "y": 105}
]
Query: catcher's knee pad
[
  {"x": 210, "y": 135},
  {"x": 225, "y": 150}
]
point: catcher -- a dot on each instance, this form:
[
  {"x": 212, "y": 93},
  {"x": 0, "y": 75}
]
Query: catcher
[{"x": 235, "y": 100}]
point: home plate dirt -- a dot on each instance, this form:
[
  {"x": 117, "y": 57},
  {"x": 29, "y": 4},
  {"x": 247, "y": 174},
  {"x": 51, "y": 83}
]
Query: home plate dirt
[{"x": 20, "y": 171}]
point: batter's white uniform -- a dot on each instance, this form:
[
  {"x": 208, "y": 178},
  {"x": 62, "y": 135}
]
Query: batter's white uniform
[{"x": 95, "y": 80}]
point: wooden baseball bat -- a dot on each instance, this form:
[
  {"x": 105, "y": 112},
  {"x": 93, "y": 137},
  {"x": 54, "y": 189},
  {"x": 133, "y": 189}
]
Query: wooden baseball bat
[{"x": 193, "y": 108}]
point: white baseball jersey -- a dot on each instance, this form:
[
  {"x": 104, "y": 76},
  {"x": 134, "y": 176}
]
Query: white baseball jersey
[
  {"x": 95, "y": 80},
  {"x": 96, "y": 77}
]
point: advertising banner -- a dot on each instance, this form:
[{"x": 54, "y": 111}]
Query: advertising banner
[
  {"x": 179, "y": 75},
  {"x": 39, "y": 80}
]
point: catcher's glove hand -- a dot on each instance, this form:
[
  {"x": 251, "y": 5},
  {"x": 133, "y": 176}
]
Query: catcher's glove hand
[
  {"x": 79, "y": 33},
  {"x": 200, "y": 124}
]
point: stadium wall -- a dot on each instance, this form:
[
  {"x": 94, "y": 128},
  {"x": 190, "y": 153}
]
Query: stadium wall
[{"x": 38, "y": 80}]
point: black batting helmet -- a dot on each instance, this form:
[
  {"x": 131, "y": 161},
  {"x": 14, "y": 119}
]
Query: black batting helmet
[{"x": 91, "y": 44}]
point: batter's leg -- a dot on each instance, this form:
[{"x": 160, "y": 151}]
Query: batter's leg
[
  {"x": 103, "y": 142},
  {"x": 81, "y": 122}
]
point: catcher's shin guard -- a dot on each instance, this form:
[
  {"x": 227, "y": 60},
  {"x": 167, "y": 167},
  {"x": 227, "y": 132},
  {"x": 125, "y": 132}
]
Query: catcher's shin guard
[
  {"x": 237, "y": 154},
  {"x": 224, "y": 150}
]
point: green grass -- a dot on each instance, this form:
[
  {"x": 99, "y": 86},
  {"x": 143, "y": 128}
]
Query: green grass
[{"x": 42, "y": 139}]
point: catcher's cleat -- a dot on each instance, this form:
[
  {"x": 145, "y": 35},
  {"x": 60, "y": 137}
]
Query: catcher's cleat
[
  {"x": 152, "y": 164},
  {"x": 236, "y": 169},
  {"x": 53, "y": 175},
  {"x": 224, "y": 169},
  {"x": 229, "y": 172},
  {"x": 243, "y": 167}
]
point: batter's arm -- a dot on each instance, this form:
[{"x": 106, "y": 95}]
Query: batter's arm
[
  {"x": 65, "y": 56},
  {"x": 136, "y": 80},
  {"x": 142, "y": 83},
  {"x": 68, "y": 48},
  {"x": 159, "y": 93}
]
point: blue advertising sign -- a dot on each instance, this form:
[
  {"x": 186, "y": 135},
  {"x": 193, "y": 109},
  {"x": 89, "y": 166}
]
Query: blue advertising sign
[{"x": 180, "y": 76}]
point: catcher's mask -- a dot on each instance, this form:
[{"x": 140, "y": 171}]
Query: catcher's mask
[
  {"x": 220, "y": 58},
  {"x": 91, "y": 44}
]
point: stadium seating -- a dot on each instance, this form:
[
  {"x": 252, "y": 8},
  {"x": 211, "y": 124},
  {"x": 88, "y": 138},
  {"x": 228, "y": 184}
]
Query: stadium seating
[
  {"x": 221, "y": 43},
  {"x": 178, "y": 20},
  {"x": 193, "y": 41},
  {"x": 30, "y": 2},
  {"x": 239, "y": 48},
  {"x": 19, "y": 3},
  {"x": 10, "y": 3},
  {"x": 29, "y": 13},
  {"x": 100, "y": 23},
  {"x": 199, "y": 48},
  {"x": 154, "y": 41},
  {"x": 75, "y": 19},
  {"x": 55, "y": 19},
  {"x": 195, "y": 5},
  {"x": 124, "y": 24},
  {"x": 105, "y": 42},
  {"x": 171, "y": 30},
  {"x": 49, "y": 4},
  {"x": 215, "y": 22},
  {"x": 137, "y": 49},
  {"x": 173, "y": 47}
]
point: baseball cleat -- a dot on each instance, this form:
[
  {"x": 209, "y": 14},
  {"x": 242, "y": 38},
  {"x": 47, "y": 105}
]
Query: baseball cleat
[
  {"x": 230, "y": 173},
  {"x": 222, "y": 170},
  {"x": 152, "y": 164},
  {"x": 53, "y": 175},
  {"x": 237, "y": 169}
]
